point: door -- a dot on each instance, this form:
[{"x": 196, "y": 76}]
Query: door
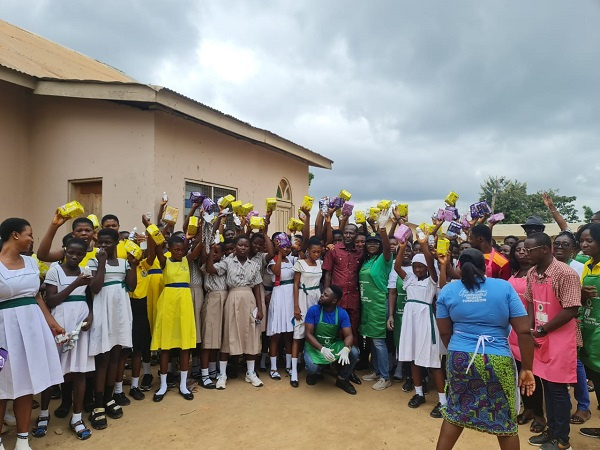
[{"x": 89, "y": 194}]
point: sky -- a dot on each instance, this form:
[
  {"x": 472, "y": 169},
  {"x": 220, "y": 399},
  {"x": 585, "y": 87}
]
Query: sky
[{"x": 409, "y": 99}]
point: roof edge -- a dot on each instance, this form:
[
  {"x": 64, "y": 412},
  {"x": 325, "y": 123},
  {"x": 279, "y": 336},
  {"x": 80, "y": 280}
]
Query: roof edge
[{"x": 143, "y": 93}]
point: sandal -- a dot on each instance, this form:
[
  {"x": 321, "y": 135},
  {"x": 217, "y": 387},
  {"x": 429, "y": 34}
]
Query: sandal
[
  {"x": 113, "y": 410},
  {"x": 82, "y": 435},
  {"x": 274, "y": 375},
  {"x": 522, "y": 420},
  {"x": 578, "y": 419},
  {"x": 41, "y": 427},
  {"x": 98, "y": 419},
  {"x": 537, "y": 427}
]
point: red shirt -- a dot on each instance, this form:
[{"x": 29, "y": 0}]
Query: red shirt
[
  {"x": 343, "y": 263},
  {"x": 500, "y": 267}
]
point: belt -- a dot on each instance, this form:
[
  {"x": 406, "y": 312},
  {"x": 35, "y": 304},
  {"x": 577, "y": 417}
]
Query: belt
[
  {"x": 268, "y": 288},
  {"x": 75, "y": 298},
  {"x": 16, "y": 302},
  {"x": 431, "y": 318},
  {"x": 284, "y": 282},
  {"x": 155, "y": 272},
  {"x": 306, "y": 289},
  {"x": 178, "y": 285},
  {"x": 111, "y": 283}
]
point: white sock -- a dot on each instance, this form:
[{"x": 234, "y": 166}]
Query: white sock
[
  {"x": 223, "y": 368},
  {"x": 118, "y": 387},
  {"x": 250, "y": 366},
  {"x": 263, "y": 360},
  {"x": 22, "y": 441},
  {"x": 273, "y": 363},
  {"x": 76, "y": 418},
  {"x": 135, "y": 381},
  {"x": 204, "y": 373},
  {"x": 163, "y": 384},
  {"x": 419, "y": 390},
  {"x": 146, "y": 368},
  {"x": 44, "y": 413},
  {"x": 212, "y": 366},
  {"x": 294, "y": 375},
  {"x": 442, "y": 398},
  {"x": 183, "y": 382},
  {"x": 288, "y": 360}
]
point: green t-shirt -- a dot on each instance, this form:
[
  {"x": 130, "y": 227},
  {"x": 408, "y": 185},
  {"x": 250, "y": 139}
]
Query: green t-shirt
[{"x": 373, "y": 280}]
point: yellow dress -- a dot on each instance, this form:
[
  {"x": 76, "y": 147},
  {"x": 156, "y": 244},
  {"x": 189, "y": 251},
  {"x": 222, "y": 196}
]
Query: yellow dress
[
  {"x": 155, "y": 287},
  {"x": 175, "y": 326}
]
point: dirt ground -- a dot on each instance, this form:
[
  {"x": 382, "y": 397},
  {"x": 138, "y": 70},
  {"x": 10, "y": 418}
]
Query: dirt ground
[{"x": 278, "y": 416}]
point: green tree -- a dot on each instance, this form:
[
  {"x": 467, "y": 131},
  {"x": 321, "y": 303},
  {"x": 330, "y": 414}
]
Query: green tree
[
  {"x": 587, "y": 213},
  {"x": 511, "y": 198},
  {"x": 310, "y": 177}
]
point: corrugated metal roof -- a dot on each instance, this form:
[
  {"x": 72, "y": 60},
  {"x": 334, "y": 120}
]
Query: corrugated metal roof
[{"x": 29, "y": 53}]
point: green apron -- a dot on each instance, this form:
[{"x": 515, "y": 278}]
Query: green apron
[
  {"x": 373, "y": 304},
  {"x": 327, "y": 335},
  {"x": 399, "y": 311},
  {"x": 590, "y": 326}
]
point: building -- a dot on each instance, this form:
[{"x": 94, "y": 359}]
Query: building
[{"x": 73, "y": 128}]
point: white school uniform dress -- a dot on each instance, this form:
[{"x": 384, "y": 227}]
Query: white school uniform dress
[
  {"x": 281, "y": 307},
  {"x": 419, "y": 328},
  {"x": 33, "y": 363},
  {"x": 69, "y": 314},
  {"x": 309, "y": 291},
  {"x": 112, "y": 310}
]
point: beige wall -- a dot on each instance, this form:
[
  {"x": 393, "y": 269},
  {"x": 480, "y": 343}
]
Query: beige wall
[
  {"x": 188, "y": 150},
  {"x": 15, "y": 130},
  {"x": 81, "y": 139},
  {"x": 138, "y": 154}
]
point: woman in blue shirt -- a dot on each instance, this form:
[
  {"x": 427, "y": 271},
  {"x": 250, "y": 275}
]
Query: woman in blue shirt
[{"x": 474, "y": 316}]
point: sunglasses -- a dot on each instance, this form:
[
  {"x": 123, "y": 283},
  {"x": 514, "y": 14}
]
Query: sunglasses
[{"x": 528, "y": 250}]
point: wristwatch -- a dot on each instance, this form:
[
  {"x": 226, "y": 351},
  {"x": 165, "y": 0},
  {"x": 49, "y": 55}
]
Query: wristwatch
[{"x": 540, "y": 330}]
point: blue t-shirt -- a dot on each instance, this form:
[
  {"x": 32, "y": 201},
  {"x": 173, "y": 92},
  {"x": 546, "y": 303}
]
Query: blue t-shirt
[
  {"x": 314, "y": 312},
  {"x": 485, "y": 311}
]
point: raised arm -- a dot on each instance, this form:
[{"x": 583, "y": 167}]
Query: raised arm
[
  {"x": 305, "y": 230},
  {"x": 196, "y": 248},
  {"x": 186, "y": 222},
  {"x": 399, "y": 257},
  {"x": 319, "y": 226},
  {"x": 558, "y": 218},
  {"x": 428, "y": 257},
  {"x": 131, "y": 275},
  {"x": 43, "y": 252}
]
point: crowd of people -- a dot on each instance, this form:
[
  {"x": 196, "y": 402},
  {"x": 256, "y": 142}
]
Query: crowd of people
[{"x": 501, "y": 329}]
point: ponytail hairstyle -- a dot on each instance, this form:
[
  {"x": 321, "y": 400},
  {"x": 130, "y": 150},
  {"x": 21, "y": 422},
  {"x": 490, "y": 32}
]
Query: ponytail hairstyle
[{"x": 472, "y": 267}]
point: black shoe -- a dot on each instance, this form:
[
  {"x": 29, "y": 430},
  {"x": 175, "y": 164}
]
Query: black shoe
[
  {"x": 546, "y": 436},
  {"x": 158, "y": 397},
  {"x": 294, "y": 383},
  {"x": 590, "y": 432},
  {"x": 311, "y": 380},
  {"x": 136, "y": 394},
  {"x": 435, "y": 412},
  {"x": 416, "y": 401},
  {"x": 345, "y": 386},
  {"x": 171, "y": 379},
  {"x": 188, "y": 396},
  {"x": 146, "y": 384},
  {"x": 408, "y": 385},
  {"x": 354, "y": 378},
  {"x": 121, "y": 399},
  {"x": 56, "y": 393},
  {"x": 62, "y": 411},
  {"x": 127, "y": 366},
  {"x": 207, "y": 383}
]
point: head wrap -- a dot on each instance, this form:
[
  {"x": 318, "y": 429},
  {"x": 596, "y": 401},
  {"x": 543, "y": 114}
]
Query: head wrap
[{"x": 419, "y": 258}]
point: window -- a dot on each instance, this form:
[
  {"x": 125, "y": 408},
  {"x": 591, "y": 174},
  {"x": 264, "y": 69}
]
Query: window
[
  {"x": 213, "y": 191},
  {"x": 283, "y": 191}
]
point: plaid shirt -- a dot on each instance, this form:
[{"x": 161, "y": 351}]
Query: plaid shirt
[{"x": 565, "y": 285}]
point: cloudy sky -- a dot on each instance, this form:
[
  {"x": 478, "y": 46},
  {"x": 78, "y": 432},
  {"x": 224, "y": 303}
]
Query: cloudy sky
[{"x": 410, "y": 99}]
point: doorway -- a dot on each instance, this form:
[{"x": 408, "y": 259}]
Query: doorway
[{"x": 89, "y": 194}]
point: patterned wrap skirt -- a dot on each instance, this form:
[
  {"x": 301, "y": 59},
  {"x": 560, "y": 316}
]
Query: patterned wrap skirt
[{"x": 484, "y": 398}]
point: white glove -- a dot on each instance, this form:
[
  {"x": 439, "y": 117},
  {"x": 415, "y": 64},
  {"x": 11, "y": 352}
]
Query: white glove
[
  {"x": 328, "y": 354},
  {"x": 383, "y": 218},
  {"x": 343, "y": 355}
]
